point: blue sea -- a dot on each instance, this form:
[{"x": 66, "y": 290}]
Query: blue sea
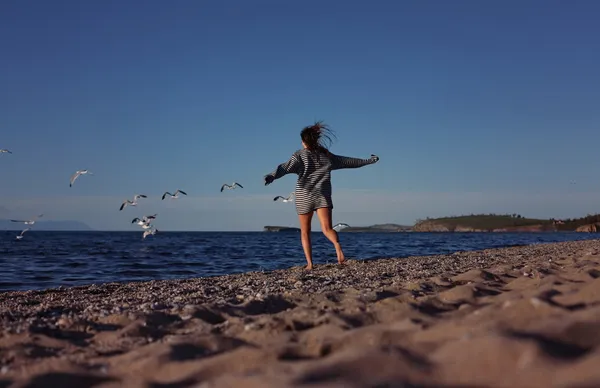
[{"x": 44, "y": 259}]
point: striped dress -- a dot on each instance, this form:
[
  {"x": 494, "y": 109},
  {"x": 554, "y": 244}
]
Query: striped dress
[{"x": 313, "y": 188}]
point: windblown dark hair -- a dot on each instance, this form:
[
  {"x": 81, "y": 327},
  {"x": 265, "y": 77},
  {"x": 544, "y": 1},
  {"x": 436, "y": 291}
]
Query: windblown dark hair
[{"x": 318, "y": 137}]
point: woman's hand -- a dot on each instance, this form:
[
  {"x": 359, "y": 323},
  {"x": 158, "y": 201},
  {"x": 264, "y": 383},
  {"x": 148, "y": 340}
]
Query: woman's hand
[
  {"x": 269, "y": 179},
  {"x": 374, "y": 158}
]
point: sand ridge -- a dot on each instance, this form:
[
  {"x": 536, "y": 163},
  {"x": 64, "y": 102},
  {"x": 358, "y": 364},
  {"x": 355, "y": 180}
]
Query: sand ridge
[{"x": 521, "y": 317}]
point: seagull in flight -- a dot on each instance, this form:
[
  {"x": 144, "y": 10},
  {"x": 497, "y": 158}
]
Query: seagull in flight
[
  {"x": 145, "y": 222},
  {"x": 5, "y": 151},
  {"x": 28, "y": 222},
  {"x": 230, "y": 187},
  {"x": 132, "y": 203},
  {"x": 289, "y": 198},
  {"x": 340, "y": 226},
  {"x": 20, "y": 236},
  {"x": 77, "y": 174},
  {"x": 151, "y": 232},
  {"x": 176, "y": 195}
]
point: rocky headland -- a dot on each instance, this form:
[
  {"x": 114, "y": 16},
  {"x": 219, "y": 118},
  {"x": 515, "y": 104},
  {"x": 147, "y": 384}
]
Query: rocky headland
[{"x": 434, "y": 226}]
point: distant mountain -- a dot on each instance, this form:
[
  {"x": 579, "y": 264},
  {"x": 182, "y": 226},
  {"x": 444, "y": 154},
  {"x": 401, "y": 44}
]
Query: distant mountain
[{"x": 45, "y": 225}]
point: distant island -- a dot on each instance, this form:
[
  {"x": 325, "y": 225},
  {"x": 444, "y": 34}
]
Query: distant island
[
  {"x": 378, "y": 228},
  {"x": 46, "y": 225},
  {"x": 280, "y": 229},
  {"x": 475, "y": 223},
  {"x": 506, "y": 223}
]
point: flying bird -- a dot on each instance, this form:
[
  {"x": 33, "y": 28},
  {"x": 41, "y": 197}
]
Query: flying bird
[
  {"x": 28, "y": 222},
  {"x": 77, "y": 174},
  {"x": 289, "y": 198},
  {"x": 176, "y": 195},
  {"x": 145, "y": 222},
  {"x": 149, "y": 233},
  {"x": 230, "y": 187},
  {"x": 127, "y": 202},
  {"x": 134, "y": 202},
  {"x": 5, "y": 151},
  {"x": 340, "y": 226},
  {"x": 20, "y": 236}
]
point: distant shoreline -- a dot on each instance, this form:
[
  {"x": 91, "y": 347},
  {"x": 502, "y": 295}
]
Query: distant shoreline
[{"x": 477, "y": 223}]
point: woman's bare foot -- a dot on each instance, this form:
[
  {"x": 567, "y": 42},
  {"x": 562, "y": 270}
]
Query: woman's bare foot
[
  {"x": 309, "y": 267},
  {"x": 340, "y": 254},
  {"x": 340, "y": 257}
]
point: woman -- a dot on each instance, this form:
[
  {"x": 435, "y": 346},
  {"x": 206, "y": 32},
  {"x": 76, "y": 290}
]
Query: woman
[{"x": 313, "y": 165}]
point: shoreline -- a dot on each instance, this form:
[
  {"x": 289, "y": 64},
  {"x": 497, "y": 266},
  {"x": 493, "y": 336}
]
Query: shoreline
[
  {"x": 433, "y": 320},
  {"x": 241, "y": 272}
]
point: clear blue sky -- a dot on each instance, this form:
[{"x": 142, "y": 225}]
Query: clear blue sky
[{"x": 471, "y": 105}]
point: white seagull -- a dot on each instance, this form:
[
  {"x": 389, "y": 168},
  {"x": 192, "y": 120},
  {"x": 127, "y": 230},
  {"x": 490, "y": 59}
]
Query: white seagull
[
  {"x": 230, "y": 187},
  {"x": 149, "y": 233},
  {"x": 289, "y": 198},
  {"x": 340, "y": 226},
  {"x": 134, "y": 202},
  {"x": 145, "y": 222},
  {"x": 21, "y": 235},
  {"x": 5, "y": 151},
  {"x": 77, "y": 174},
  {"x": 173, "y": 195},
  {"x": 28, "y": 222}
]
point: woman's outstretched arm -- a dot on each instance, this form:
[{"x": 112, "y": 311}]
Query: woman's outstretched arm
[
  {"x": 339, "y": 162},
  {"x": 292, "y": 166}
]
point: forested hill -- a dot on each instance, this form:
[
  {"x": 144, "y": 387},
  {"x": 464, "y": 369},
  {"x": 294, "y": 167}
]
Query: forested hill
[{"x": 500, "y": 223}]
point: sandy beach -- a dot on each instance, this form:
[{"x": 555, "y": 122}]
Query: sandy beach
[{"x": 524, "y": 316}]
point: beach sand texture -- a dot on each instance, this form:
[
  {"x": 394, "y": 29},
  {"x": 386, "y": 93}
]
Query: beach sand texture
[{"x": 515, "y": 317}]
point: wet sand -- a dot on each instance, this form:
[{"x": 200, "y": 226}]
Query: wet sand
[{"x": 520, "y": 317}]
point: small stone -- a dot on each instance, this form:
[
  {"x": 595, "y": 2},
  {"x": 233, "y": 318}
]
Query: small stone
[
  {"x": 62, "y": 322},
  {"x": 158, "y": 306},
  {"x": 250, "y": 326}
]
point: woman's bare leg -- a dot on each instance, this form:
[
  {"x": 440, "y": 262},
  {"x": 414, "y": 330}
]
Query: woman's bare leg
[
  {"x": 324, "y": 215},
  {"x": 305, "y": 226}
]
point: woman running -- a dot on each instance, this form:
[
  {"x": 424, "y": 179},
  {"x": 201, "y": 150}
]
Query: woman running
[{"x": 313, "y": 165}]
